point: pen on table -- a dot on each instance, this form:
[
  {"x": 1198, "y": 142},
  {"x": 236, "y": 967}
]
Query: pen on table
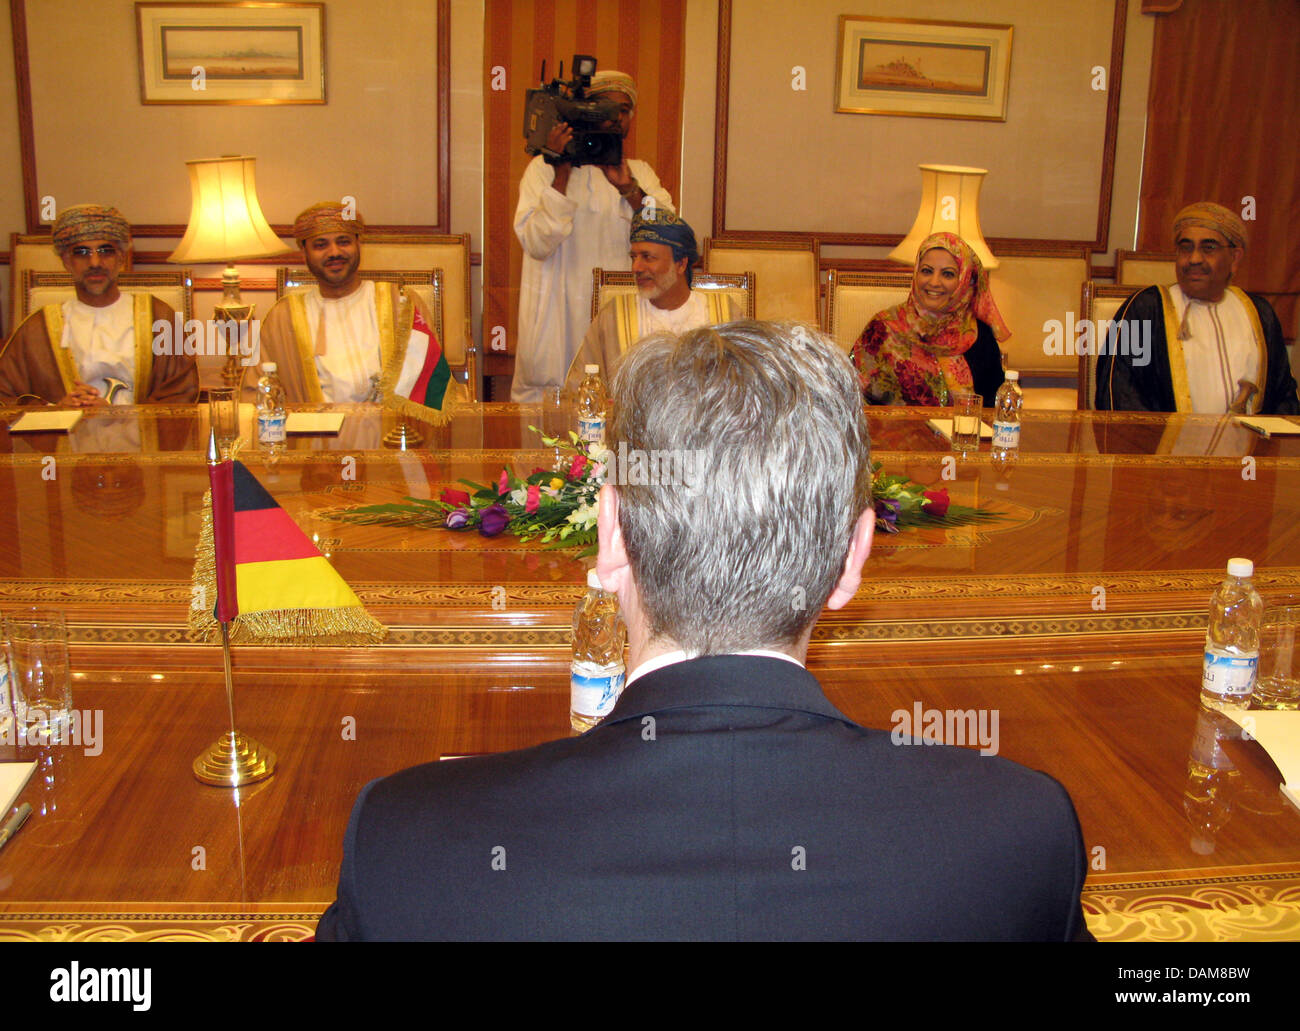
[
  {"x": 1253, "y": 428},
  {"x": 15, "y": 821}
]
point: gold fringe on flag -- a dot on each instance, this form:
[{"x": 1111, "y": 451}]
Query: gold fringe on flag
[{"x": 352, "y": 625}]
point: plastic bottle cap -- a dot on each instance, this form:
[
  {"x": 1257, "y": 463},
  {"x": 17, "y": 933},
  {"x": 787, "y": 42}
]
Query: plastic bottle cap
[
  {"x": 1013, "y": 375},
  {"x": 1242, "y": 567},
  {"x": 268, "y": 367},
  {"x": 593, "y": 581},
  {"x": 591, "y": 370}
]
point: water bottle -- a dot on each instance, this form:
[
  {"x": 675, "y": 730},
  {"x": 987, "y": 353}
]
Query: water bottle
[
  {"x": 598, "y": 670},
  {"x": 591, "y": 406},
  {"x": 1232, "y": 640},
  {"x": 1006, "y": 420},
  {"x": 270, "y": 414}
]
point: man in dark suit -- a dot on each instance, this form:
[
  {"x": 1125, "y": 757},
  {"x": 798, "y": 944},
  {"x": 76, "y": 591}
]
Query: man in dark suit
[{"x": 724, "y": 797}]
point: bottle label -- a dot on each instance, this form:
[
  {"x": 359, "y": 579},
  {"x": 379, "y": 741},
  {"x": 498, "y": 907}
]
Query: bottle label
[
  {"x": 270, "y": 429},
  {"x": 1006, "y": 435},
  {"x": 595, "y": 689},
  {"x": 1228, "y": 675},
  {"x": 591, "y": 429}
]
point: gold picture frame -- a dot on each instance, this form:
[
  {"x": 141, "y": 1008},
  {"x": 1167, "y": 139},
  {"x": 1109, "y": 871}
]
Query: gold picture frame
[
  {"x": 923, "y": 69},
  {"x": 231, "y": 53}
]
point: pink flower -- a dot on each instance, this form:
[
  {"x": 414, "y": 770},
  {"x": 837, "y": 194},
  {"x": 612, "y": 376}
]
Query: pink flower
[
  {"x": 534, "y": 493},
  {"x": 454, "y": 497},
  {"x": 503, "y": 483},
  {"x": 937, "y": 501}
]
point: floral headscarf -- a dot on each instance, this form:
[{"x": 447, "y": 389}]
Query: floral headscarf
[{"x": 911, "y": 357}]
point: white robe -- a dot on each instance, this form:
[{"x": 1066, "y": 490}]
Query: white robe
[
  {"x": 102, "y": 341},
  {"x": 564, "y": 237},
  {"x": 352, "y": 356},
  {"x": 1219, "y": 351}
]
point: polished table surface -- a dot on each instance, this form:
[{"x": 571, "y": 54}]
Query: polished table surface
[{"x": 1077, "y": 619}]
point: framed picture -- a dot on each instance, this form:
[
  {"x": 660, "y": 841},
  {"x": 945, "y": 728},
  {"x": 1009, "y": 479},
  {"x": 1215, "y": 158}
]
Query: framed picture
[
  {"x": 923, "y": 69},
  {"x": 236, "y": 53}
]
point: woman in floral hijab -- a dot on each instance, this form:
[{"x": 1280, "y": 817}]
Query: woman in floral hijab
[{"x": 943, "y": 338}]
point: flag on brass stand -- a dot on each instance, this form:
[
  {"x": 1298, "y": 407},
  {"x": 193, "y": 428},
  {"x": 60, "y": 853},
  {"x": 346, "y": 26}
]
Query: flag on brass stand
[
  {"x": 420, "y": 385},
  {"x": 284, "y": 589}
]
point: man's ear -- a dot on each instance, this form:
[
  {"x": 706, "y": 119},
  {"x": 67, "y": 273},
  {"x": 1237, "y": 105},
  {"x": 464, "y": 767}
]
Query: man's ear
[
  {"x": 859, "y": 548},
  {"x": 611, "y": 559},
  {"x": 1237, "y": 252}
]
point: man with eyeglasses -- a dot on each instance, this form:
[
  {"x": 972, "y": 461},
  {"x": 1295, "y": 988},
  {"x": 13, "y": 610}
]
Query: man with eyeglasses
[
  {"x": 97, "y": 348},
  {"x": 1214, "y": 347}
]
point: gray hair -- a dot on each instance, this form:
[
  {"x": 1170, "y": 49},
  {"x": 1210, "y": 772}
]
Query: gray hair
[{"x": 775, "y": 412}]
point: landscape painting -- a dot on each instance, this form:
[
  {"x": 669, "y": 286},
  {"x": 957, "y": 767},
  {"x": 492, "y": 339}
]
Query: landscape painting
[{"x": 923, "y": 68}]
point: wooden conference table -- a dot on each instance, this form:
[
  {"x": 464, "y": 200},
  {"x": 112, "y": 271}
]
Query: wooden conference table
[{"x": 1077, "y": 619}]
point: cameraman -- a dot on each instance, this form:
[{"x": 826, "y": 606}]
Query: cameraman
[{"x": 569, "y": 221}]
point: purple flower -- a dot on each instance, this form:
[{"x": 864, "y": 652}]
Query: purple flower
[
  {"x": 887, "y": 509},
  {"x": 492, "y": 520},
  {"x": 456, "y": 519}
]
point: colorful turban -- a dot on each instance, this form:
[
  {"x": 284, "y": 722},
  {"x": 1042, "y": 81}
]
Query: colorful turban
[
  {"x": 325, "y": 218},
  {"x": 666, "y": 228},
  {"x": 1208, "y": 215},
  {"x": 613, "y": 82},
  {"x": 83, "y": 222}
]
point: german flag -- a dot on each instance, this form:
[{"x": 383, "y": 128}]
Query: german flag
[{"x": 284, "y": 588}]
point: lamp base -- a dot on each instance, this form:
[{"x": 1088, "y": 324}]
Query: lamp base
[{"x": 232, "y": 760}]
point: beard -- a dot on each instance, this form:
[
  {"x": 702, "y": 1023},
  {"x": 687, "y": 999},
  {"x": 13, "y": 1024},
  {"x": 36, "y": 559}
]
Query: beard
[{"x": 662, "y": 284}]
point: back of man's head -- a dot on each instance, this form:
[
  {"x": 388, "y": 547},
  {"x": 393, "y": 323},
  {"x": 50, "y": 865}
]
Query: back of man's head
[{"x": 764, "y": 425}]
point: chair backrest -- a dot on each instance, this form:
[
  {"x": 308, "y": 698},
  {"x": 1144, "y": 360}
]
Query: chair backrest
[
  {"x": 788, "y": 272},
  {"x": 1144, "y": 268},
  {"x": 446, "y": 251},
  {"x": 1101, "y": 302},
  {"x": 175, "y": 288},
  {"x": 854, "y": 298},
  {"x": 427, "y": 283},
  {"x": 27, "y": 251},
  {"x": 607, "y": 283},
  {"x": 1031, "y": 290}
]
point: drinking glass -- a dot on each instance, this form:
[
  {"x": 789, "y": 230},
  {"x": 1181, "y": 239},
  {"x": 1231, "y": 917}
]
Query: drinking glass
[
  {"x": 1278, "y": 683},
  {"x": 40, "y": 677},
  {"x": 223, "y": 417},
  {"x": 967, "y": 411}
]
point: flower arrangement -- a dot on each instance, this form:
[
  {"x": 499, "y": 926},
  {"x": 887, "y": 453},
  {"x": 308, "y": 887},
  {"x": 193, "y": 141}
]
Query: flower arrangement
[
  {"x": 558, "y": 507},
  {"x": 901, "y": 502}
]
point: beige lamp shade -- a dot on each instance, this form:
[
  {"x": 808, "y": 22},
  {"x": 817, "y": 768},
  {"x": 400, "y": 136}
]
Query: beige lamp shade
[
  {"x": 950, "y": 196},
  {"x": 226, "y": 221}
]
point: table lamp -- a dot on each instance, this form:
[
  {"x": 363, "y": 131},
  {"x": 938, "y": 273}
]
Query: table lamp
[
  {"x": 226, "y": 225},
  {"x": 950, "y": 197}
]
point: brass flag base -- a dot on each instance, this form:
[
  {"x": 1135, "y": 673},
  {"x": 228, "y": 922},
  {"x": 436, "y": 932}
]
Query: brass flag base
[
  {"x": 405, "y": 436},
  {"x": 233, "y": 760}
]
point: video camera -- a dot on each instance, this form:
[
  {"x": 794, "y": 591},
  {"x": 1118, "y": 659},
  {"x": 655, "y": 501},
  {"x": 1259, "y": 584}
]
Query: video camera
[{"x": 593, "y": 143}]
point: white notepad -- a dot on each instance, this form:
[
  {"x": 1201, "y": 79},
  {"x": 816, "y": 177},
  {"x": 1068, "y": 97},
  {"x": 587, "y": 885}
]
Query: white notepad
[
  {"x": 943, "y": 427},
  {"x": 13, "y": 778},
  {"x": 1278, "y": 732},
  {"x": 54, "y": 420},
  {"x": 314, "y": 422},
  {"x": 1270, "y": 425}
]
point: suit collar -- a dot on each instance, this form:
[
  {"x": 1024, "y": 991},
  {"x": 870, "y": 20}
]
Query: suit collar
[{"x": 744, "y": 681}]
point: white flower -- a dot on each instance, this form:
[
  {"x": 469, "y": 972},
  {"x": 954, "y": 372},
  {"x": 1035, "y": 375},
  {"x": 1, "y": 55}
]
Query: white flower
[
  {"x": 520, "y": 496},
  {"x": 584, "y": 516}
]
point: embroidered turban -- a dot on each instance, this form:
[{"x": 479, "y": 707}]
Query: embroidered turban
[
  {"x": 83, "y": 222},
  {"x": 612, "y": 82},
  {"x": 325, "y": 218},
  {"x": 666, "y": 228},
  {"x": 1208, "y": 215}
]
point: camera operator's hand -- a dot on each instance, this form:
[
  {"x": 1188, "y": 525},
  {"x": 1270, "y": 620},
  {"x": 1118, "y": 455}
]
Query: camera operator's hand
[
  {"x": 557, "y": 139},
  {"x": 620, "y": 177}
]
